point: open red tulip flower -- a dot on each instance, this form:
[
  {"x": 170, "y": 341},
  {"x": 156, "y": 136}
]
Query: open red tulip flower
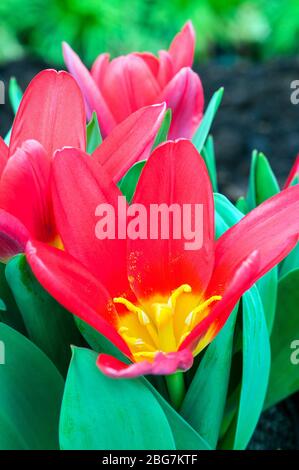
[
  {"x": 51, "y": 116},
  {"x": 116, "y": 89},
  {"x": 157, "y": 301}
]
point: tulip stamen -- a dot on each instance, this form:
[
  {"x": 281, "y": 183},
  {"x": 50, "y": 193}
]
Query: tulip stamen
[{"x": 143, "y": 318}]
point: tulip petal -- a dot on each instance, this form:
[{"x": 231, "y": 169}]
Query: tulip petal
[
  {"x": 174, "y": 174},
  {"x": 74, "y": 287},
  {"x": 99, "y": 68},
  {"x": 129, "y": 85},
  {"x": 151, "y": 61},
  {"x": 88, "y": 186},
  {"x": 3, "y": 155},
  {"x": 163, "y": 364},
  {"x": 94, "y": 99},
  {"x": 13, "y": 236},
  {"x": 293, "y": 173},
  {"x": 184, "y": 95},
  {"x": 272, "y": 229},
  {"x": 51, "y": 112},
  {"x": 130, "y": 141},
  {"x": 165, "y": 72},
  {"x": 25, "y": 192},
  {"x": 182, "y": 47}
]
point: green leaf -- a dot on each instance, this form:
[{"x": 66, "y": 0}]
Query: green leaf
[
  {"x": 93, "y": 134},
  {"x": 30, "y": 394},
  {"x": 208, "y": 155},
  {"x": 267, "y": 286},
  {"x": 290, "y": 263},
  {"x": 11, "y": 314},
  {"x": 186, "y": 438},
  {"x": 241, "y": 205},
  {"x": 229, "y": 213},
  {"x": 210, "y": 385},
  {"x": 164, "y": 129},
  {"x": 49, "y": 325},
  {"x": 256, "y": 368},
  {"x": 103, "y": 413},
  {"x": 220, "y": 226},
  {"x": 262, "y": 181},
  {"x": 127, "y": 184},
  {"x": 203, "y": 130},
  {"x": 284, "y": 376},
  {"x": 98, "y": 342},
  {"x": 265, "y": 181},
  {"x": 15, "y": 94}
]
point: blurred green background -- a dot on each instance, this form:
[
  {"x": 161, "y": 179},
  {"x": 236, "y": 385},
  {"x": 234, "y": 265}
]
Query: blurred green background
[{"x": 257, "y": 28}]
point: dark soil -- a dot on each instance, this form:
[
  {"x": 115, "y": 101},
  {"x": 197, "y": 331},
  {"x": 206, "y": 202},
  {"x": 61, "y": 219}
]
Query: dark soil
[{"x": 256, "y": 113}]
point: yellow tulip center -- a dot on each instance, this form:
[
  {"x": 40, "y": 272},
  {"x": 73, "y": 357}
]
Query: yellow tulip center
[{"x": 161, "y": 326}]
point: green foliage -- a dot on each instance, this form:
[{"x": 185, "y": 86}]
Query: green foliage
[{"x": 120, "y": 26}]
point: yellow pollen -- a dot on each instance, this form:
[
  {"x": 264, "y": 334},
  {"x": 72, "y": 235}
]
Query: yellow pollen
[{"x": 155, "y": 330}]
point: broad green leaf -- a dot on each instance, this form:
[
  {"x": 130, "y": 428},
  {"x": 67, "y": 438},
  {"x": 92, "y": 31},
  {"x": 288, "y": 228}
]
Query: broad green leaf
[
  {"x": 208, "y": 155},
  {"x": 203, "y": 130},
  {"x": 103, "y": 413},
  {"x": 11, "y": 314},
  {"x": 204, "y": 403},
  {"x": 15, "y": 94},
  {"x": 31, "y": 390},
  {"x": 98, "y": 342},
  {"x": 255, "y": 375},
  {"x": 93, "y": 134},
  {"x": 290, "y": 263},
  {"x": 48, "y": 325},
  {"x": 267, "y": 286},
  {"x": 284, "y": 376},
  {"x": 220, "y": 226},
  {"x": 186, "y": 438},
  {"x": 164, "y": 129},
  {"x": 127, "y": 184}
]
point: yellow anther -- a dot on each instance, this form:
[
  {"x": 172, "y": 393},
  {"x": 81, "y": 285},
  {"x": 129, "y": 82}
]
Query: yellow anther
[
  {"x": 184, "y": 288},
  {"x": 191, "y": 318},
  {"x": 142, "y": 317}
]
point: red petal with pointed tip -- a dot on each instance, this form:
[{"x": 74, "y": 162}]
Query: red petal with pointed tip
[
  {"x": 74, "y": 287},
  {"x": 237, "y": 266},
  {"x": 174, "y": 174},
  {"x": 129, "y": 85},
  {"x": 51, "y": 112},
  {"x": 88, "y": 186},
  {"x": 165, "y": 72},
  {"x": 163, "y": 364},
  {"x": 184, "y": 95},
  {"x": 25, "y": 191},
  {"x": 182, "y": 47},
  {"x": 93, "y": 98},
  {"x": 130, "y": 141},
  {"x": 13, "y": 236}
]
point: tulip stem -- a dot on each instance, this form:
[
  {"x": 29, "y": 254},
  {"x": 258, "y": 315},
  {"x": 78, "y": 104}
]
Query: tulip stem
[{"x": 176, "y": 388}]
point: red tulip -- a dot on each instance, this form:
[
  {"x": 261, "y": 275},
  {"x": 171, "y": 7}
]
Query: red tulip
[
  {"x": 51, "y": 116},
  {"x": 159, "y": 303},
  {"x": 118, "y": 88}
]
